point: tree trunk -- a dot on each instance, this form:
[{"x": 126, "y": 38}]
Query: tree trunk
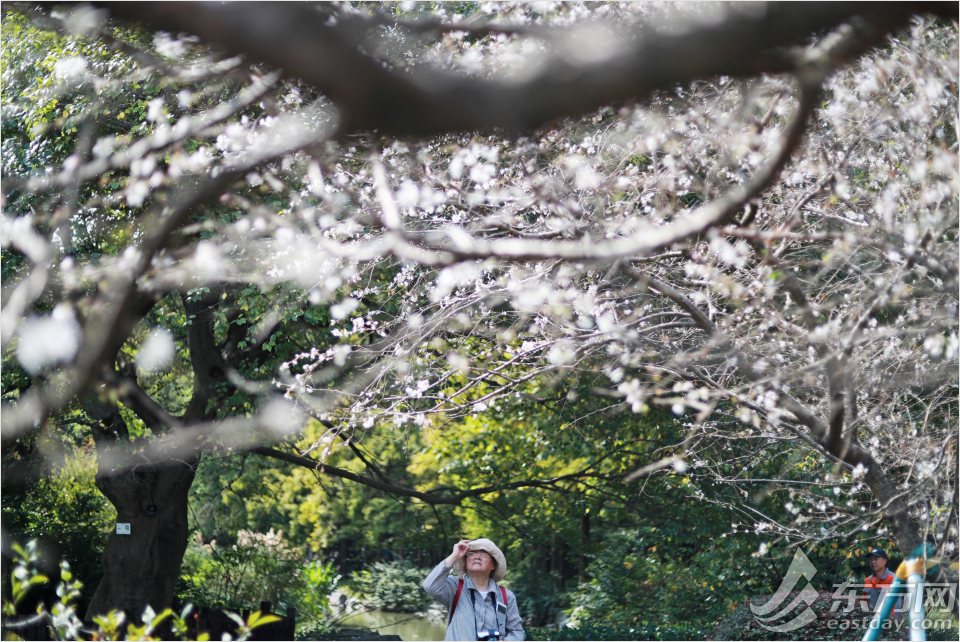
[
  {"x": 895, "y": 509},
  {"x": 142, "y": 568},
  {"x": 903, "y": 529},
  {"x": 555, "y": 557},
  {"x": 584, "y": 546}
]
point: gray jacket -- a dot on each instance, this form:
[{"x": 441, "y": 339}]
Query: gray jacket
[{"x": 442, "y": 587}]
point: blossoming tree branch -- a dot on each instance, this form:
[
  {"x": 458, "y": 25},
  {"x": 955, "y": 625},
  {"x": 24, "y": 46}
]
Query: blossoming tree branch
[{"x": 224, "y": 220}]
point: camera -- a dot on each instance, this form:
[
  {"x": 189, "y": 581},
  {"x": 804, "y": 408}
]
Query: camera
[{"x": 488, "y": 634}]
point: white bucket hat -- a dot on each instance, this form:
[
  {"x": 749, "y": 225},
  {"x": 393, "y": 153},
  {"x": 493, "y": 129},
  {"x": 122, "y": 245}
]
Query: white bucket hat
[{"x": 484, "y": 544}]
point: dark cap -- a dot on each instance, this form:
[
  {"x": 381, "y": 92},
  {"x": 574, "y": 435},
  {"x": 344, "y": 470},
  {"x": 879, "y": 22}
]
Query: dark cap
[{"x": 878, "y": 552}]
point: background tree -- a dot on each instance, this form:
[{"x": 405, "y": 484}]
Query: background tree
[{"x": 426, "y": 218}]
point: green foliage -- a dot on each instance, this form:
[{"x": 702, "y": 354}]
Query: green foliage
[
  {"x": 671, "y": 561},
  {"x": 321, "y": 633},
  {"x": 25, "y": 575},
  {"x": 63, "y": 620},
  {"x": 64, "y": 510},
  {"x": 943, "y": 633},
  {"x": 320, "y": 580},
  {"x": 539, "y": 596},
  {"x": 646, "y": 568},
  {"x": 592, "y": 631},
  {"x": 14, "y": 378},
  {"x": 644, "y": 576},
  {"x": 318, "y": 512},
  {"x": 315, "y": 630},
  {"x": 258, "y": 567},
  {"x": 391, "y": 586}
]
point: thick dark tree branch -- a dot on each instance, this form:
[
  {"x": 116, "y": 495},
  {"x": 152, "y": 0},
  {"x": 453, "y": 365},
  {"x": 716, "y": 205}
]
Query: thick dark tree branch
[
  {"x": 836, "y": 404},
  {"x": 136, "y": 399},
  {"x": 206, "y": 358},
  {"x": 427, "y": 497},
  {"x": 835, "y": 365},
  {"x": 297, "y": 39},
  {"x": 370, "y": 465},
  {"x": 115, "y": 309},
  {"x": 649, "y": 240},
  {"x": 115, "y": 306}
]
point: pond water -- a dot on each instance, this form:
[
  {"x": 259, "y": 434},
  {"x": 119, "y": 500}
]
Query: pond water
[{"x": 409, "y": 626}]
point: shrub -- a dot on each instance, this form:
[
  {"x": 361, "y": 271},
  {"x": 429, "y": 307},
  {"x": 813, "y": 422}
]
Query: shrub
[
  {"x": 392, "y": 586},
  {"x": 260, "y": 566},
  {"x": 63, "y": 620},
  {"x": 588, "y": 631},
  {"x": 307, "y": 632},
  {"x": 319, "y": 581},
  {"x": 633, "y": 585},
  {"x": 66, "y": 514},
  {"x": 539, "y": 596}
]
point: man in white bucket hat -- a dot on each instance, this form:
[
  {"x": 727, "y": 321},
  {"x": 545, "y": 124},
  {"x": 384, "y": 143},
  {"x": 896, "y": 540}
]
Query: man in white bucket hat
[{"x": 479, "y": 608}]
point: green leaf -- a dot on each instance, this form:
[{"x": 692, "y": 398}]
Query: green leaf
[{"x": 259, "y": 619}]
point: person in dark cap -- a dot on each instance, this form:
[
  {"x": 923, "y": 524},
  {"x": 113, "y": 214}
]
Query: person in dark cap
[{"x": 878, "y": 583}]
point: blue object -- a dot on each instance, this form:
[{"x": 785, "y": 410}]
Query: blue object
[
  {"x": 915, "y": 607},
  {"x": 911, "y": 584},
  {"x": 897, "y": 589}
]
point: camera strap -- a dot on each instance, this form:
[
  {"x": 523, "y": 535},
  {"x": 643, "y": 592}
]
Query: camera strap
[
  {"x": 477, "y": 623},
  {"x": 456, "y": 600},
  {"x": 497, "y": 609}
]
